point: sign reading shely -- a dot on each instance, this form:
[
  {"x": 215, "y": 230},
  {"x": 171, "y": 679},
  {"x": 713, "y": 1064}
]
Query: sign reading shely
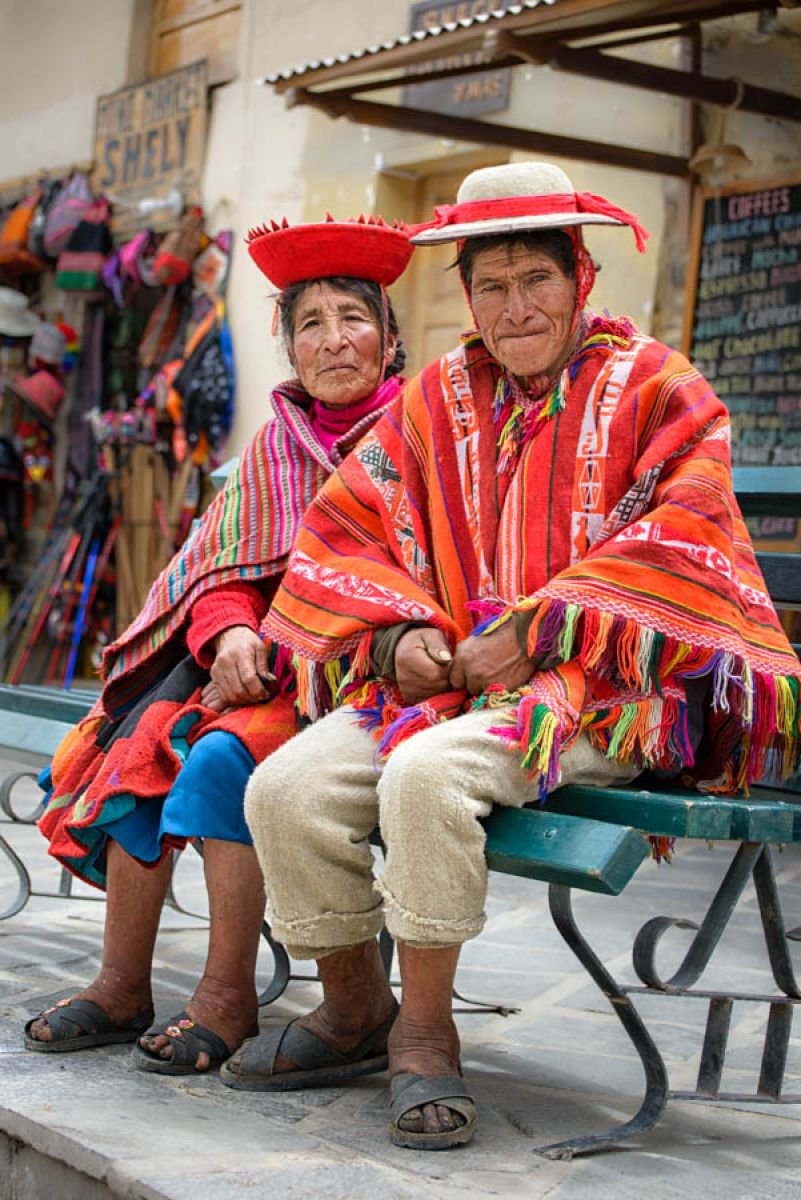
[
  {"x": 461, "y": 95},
  {"x": 149, "y": 143}
]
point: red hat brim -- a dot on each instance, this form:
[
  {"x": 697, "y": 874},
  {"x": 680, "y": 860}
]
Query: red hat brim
[{"x": 358, "y": 249}]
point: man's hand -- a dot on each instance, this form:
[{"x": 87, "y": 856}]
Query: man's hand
[
  {"x": 240, "y": 671},
  {"x": 422, "y": 664},
  {"x": 491, "y": 658}
]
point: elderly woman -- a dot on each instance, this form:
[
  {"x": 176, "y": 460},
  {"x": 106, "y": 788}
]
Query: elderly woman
[
  {"x": 194, "y": 697},
  {"x": 536, "y": 550}
]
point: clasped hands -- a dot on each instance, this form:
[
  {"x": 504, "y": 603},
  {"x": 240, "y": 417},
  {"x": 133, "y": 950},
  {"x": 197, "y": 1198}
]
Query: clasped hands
[{"x": 425, "y": 666}]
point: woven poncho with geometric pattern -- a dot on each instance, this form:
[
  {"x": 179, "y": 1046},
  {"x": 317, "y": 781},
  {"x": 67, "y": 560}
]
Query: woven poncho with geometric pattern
[{"x": 615, "y": 525}]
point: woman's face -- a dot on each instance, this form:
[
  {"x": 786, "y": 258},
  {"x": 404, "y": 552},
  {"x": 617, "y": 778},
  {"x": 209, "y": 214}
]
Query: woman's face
[{"x": 336, "y": 346}]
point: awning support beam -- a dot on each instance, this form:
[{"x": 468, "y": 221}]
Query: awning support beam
[
  {"x": 485, "y": 133},
  {"x": 726, "y": 93}
]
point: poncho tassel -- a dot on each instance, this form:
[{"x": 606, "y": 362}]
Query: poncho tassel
[
  {"x": 764, "y": 708},
  {"x": 417, "y": 717},
  {"x": 538, "y": 736}
]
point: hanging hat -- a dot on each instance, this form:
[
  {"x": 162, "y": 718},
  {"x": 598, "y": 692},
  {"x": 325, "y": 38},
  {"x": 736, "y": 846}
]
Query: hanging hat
[
  {"x": 367, "y": 248},
  {"x": 16, "y": 319},
  {"x": 41, "y": 390},
  {"x": 519, "y": 197},
  {"x": 48, "y": 344}
]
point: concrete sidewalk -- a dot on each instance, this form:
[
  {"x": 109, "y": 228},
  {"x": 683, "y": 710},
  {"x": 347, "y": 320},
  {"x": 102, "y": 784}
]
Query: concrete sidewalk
[{"x": 87, "y": 1125}]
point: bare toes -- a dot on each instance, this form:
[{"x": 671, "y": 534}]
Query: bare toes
[{"x": 412, "y": 1121}]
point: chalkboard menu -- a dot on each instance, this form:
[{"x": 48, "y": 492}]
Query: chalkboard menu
[{"x": 744, "y": 319}]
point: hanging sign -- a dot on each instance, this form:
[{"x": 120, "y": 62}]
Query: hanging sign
[
  {"x": 461, "y": 95},
  {"x": 149, "y": 146}
]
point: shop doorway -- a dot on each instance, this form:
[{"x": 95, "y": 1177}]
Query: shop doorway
[{"x": 431, "y": 304}]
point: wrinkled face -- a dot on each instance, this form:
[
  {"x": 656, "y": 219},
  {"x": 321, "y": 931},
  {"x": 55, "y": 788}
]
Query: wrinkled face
[
  {"x": 336, "y": 346},
  {"x": 523, "y": 304}
]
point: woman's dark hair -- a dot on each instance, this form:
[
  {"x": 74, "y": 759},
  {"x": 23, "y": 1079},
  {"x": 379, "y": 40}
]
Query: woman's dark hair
[
  {"x": 553, "y": 242},
  {"x": 367, "y": 291}
]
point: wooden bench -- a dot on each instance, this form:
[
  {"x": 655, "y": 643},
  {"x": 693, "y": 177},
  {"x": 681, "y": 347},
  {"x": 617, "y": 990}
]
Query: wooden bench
[{"x": 595, "y": 840}]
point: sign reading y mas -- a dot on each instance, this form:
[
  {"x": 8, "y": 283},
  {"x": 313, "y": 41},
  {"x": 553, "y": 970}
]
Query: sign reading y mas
[
  {"x": 461, "y": 95},
  {"x": 149, "y": 141}
]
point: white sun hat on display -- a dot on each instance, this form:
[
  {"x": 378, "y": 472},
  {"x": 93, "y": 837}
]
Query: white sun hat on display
[{"x": 16, "y": 318}]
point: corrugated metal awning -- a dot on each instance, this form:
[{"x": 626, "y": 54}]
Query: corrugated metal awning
[{"x": 576, "y": 36}]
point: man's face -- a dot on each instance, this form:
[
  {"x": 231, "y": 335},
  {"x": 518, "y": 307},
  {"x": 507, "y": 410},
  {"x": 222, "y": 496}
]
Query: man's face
[{"x": 523, "y": 304}]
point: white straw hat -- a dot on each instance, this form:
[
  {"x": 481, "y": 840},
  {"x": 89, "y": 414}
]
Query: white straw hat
[
  {"x": 517, "y": 197},
  {"x": 16, "y": 319}
]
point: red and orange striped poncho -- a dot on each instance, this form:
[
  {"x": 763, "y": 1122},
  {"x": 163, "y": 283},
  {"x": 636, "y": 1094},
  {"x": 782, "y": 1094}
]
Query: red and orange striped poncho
[{"x": 616, "y": 525}]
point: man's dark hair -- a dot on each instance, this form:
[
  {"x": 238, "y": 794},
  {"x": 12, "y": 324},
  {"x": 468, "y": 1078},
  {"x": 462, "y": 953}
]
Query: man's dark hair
[
  {"x": 367, "y": 291},
  {"x": 553, "y": 242}
]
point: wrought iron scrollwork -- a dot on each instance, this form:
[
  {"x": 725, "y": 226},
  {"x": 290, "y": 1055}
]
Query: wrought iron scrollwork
[{"x": 751, "y": 860}]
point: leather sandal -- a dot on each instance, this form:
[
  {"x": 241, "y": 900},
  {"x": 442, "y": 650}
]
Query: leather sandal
[
  {"x": 410, "y": 1091},
  {"x": 189, "y": 1040},
  {"x": 252, "y": 1068},
  {"x": 78, "y": 1024}
]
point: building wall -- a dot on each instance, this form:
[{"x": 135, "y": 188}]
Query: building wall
[
  {"x": 55, "y": 60},
  {"x": 265, "y": 160}
]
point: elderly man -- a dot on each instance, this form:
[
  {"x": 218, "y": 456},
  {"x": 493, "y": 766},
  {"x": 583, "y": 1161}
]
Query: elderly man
[{"x": 536, "y": 573}]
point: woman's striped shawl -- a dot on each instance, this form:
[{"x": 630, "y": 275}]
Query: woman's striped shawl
[
  {"x": 617, "y": 528},
  {"x": 245, "y": 534}
]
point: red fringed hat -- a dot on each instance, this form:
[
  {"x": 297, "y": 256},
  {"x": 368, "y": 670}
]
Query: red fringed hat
[
  {"x": 364, "y": 248},
  {"x": 517, "y": 197}
]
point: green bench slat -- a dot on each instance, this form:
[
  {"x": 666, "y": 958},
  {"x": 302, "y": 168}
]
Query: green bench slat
[
  {"x": 44, "y": 704},
  {"x": 555, "y": 848},
  {"x": 768, "y": 492},
  {"x": 756, "y": 820},
  {"x": 669, "y": 814},
  {"x": 787, "y": 795},
  {"x": 19, "y": 731},
  {"x": 767, "y": 816}
]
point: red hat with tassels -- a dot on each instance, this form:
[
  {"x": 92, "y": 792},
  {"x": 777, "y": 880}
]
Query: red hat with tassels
[{"x": 363, "y": 247}]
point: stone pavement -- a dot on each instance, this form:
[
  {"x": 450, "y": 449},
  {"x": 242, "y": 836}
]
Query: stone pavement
[{"x": 86, "y": 1126}]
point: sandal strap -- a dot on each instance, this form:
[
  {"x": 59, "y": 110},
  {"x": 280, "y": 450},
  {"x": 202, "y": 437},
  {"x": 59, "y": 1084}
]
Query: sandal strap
[
  {"x": 410, "y": 1091},
  {"x": 83, "y": 1017},
  {"x": 305, "y": 1049},
  {"x": 308, "y": 1051},
  {"x": 188, "y": 1039}
]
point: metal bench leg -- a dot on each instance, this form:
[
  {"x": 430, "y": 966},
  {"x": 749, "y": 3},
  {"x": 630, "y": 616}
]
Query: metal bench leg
[
  {"x": 281, "y": 970},
  {"x": 24, "y": 890},
  {"x": 656, "y": 1078}
]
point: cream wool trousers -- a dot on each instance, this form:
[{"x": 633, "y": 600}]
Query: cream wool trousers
[{"x": 312, "y": 805}]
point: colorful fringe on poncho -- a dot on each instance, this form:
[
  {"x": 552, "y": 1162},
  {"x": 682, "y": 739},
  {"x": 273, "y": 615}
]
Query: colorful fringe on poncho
[{"x": 612, "y": 519}]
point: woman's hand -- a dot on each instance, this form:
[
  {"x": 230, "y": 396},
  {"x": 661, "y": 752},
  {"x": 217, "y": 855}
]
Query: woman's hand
[
  {"x": 240, "y": 672},
  {"x": 210, "y": 698},
  {"x": 491, "y": 658},
  {"x": 422, "y": 664}
]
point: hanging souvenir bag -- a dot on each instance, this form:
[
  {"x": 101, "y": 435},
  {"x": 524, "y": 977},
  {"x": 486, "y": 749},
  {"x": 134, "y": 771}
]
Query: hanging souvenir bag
[
  {"x": 36, "y": 245},
  {"x": 64, "y": 215},
  {"x": 15, "y": 257},
  {"x": 80, "y": 265},
  {"x": 180, "y": 248},
  {"x": 162, "y": 330},
  {"x": 205, "y": 385},
  {"x": 137, "y": 264}
]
